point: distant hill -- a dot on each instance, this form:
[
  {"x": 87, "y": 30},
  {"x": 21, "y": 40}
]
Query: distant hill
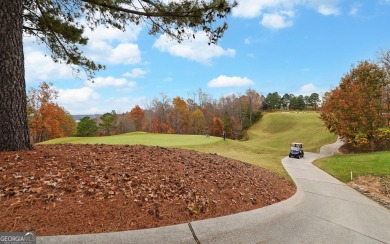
[{"x": 80, "y": 116}]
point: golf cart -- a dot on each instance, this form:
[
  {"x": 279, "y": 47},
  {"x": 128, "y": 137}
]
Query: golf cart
[{"x": 296, "y": 150}]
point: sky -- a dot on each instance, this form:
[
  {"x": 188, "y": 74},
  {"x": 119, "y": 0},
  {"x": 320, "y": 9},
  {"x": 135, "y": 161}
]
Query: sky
[{"x": 287, "y": 46}]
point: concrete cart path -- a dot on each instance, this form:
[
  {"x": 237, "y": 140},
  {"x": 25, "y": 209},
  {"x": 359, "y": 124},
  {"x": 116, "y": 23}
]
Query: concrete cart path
[{"x": 324, "y": 210}]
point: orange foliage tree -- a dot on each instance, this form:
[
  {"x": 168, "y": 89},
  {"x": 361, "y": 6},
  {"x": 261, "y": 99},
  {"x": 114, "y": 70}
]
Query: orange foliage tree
[
  {"x": 217, "y": 128},
  {"x": 46, "y": 119},
  {"x": 179, "y": 116},
  {"x": 137, "y": 116},
  {"x": 355, "y": 108}
]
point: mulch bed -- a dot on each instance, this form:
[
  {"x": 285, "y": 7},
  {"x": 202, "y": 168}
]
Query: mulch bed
[{"x": 77, "y": 189}]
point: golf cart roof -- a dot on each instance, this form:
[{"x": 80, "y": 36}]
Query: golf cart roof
[{"x": 296, "y": 144}]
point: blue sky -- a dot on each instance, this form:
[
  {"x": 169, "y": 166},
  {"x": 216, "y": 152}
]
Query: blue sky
[{"x": 284, "y": 46}]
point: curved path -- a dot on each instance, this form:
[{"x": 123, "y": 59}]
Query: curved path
[{"x": 324, "y": 210}]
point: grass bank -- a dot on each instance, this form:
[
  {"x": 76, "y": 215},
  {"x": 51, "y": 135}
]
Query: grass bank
[
  {"x": 340, "y": 166},
  {"x": 270, "y": 138},
  {"x": 142, "y": 138},
  {"x": 268, "y": 142}
]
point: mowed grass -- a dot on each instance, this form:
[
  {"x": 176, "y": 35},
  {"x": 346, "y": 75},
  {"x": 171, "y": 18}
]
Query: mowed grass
[
  {"x": 268, "y": 142},
  {"x": 340, "y": 166},
  {"x": 141, "y": 138}
]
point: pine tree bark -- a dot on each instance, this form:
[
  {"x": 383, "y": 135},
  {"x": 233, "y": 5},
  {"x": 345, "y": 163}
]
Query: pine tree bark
[{"x": 14, "y": 135}]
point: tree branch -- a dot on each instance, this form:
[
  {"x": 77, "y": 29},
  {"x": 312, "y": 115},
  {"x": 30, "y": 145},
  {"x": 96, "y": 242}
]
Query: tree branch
[
  {"x": 146, "y": 14},
  {"x": 54, "y": 33},
  {"x": 29, "y": 28}
]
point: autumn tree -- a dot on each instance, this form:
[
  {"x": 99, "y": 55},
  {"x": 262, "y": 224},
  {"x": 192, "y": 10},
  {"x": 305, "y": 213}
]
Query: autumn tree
[
  {"x": 254, "y": 103},
  {"x": 384, "y": 61},
  {"x": 354, "y": 109},
  {"x": 386, "y": 102},
  {"x": 45, "y": 93},
  {"x": 197, "y": 121},
  {"x": 87, "y": 127},
  {"x": 59, "y": 24},
  {"x": 179, "y": 116},
  {"x": 46, "y": 119},
  {"x": 161, "y": 108},
  {"x": 70, "y": 127},
  {"x": 235, "y": 131},
  {"x": 244, "y": 113},
  {"x": 216, "y": 127},
  {"x": 51, "y": 121},
  {"x": 137, "y": 115},
  {"x": 123, "y": 123}
]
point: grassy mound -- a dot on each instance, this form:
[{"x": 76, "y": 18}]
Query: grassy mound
[
  {"x": 269, "y": 140},
  {"x": 140, "y": 138}
]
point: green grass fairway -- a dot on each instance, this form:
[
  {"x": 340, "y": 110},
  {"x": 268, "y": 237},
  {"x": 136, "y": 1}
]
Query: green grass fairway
[
  {"x": 268, "y": 142},
  {"x": 142, "y": 138},
  {"x": 340, "y": 166}
]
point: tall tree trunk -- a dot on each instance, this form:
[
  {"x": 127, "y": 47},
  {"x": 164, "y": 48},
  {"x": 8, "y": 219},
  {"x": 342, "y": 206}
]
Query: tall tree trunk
[{"x": 13, "y": 116}]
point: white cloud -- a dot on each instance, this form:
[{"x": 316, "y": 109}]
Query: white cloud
[
  {"x": 135, "y": 73},
  {"x": 80, "y": 95},
  {"x": 308, "y": 89},
  {"x": 278, "y": 20},
  {"x": 42, "y": 68},
  {"x": 124, "y": 53},
  {"x": 85, "y": 100},
  {"x": 248, "y": 8},
  {"x": 123, "y": 104},
  {"x": 254, "y": 8},
  {"x": 103, "y": 47},
  {"x": 79, "y": 101},
  {"x": 325, "y": 7},
  {"x": 113, "y": 46},
  {"x": 100, "y": 82},
  {"x": 111, "y": 34},
  {"x": 197, "y": 49},
  {"x": 328, "y": 10},
  {"x": 225, "y": 81}
]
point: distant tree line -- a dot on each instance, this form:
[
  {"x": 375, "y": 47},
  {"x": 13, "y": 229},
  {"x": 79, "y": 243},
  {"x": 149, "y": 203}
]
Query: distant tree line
[
  {"x": 273, "y": 101},
  {"x": 197, "y": 114},
  {"x": 201, "y": 114}
]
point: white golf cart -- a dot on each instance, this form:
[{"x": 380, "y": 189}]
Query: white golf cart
[{"x": 296, "y": 150}]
